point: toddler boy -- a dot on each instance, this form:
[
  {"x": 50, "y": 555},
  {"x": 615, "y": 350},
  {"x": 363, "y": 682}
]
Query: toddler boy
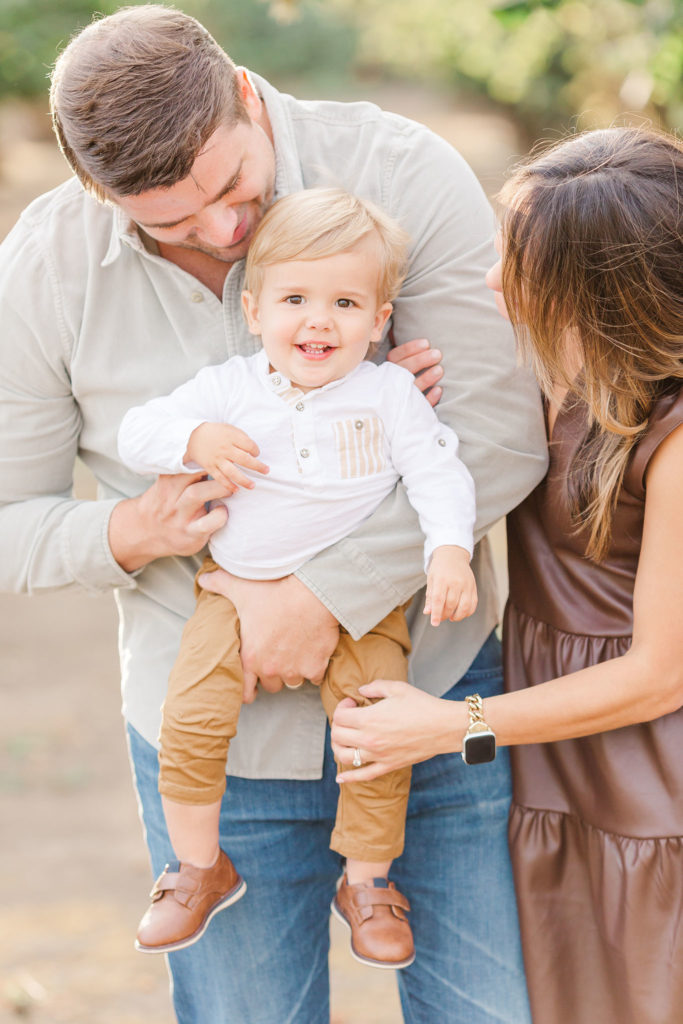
[{"x": 335, "y": 433}]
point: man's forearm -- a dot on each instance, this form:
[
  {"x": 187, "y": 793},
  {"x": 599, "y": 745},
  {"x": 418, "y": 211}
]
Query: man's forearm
[{"x": 53, "y": 542}]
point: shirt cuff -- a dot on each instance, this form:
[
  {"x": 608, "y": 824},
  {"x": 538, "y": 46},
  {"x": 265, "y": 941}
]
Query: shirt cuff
[
  {"x": 461, "y": 540},
  {"x": 86, "y": 547}
]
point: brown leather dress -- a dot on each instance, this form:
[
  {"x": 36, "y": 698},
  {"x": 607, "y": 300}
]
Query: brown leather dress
[{"x": 596, "y": 824}]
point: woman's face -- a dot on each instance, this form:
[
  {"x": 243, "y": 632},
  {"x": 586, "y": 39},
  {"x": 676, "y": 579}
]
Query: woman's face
[{"x": 494, "y": 280}]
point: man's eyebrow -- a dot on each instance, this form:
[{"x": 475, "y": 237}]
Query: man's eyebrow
[{"x": 219, "y": 195}]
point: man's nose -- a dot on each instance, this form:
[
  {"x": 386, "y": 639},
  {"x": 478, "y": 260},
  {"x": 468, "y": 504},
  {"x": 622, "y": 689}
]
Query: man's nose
[{"x": 218, "y": 223}]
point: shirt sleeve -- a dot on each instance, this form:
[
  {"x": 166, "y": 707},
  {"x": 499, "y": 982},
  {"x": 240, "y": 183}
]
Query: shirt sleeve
[
  {"x": 47, "y": 538},
  {"x": 153, "y": 437},
  {"x": 488, "y": 399},
  {"x": 425, "y": 452}
]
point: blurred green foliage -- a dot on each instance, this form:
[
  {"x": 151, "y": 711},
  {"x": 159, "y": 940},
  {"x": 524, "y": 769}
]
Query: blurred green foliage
[
  {"x": 274, "y": 39},
  {"x": 551, "y": 60}
]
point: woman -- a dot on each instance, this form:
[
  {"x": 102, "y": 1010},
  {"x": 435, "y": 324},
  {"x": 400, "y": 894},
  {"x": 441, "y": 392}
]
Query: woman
[{"x": 591, "y": 276}]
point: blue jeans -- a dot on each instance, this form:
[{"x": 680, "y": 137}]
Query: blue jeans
[{"x": 264, "y": 961}]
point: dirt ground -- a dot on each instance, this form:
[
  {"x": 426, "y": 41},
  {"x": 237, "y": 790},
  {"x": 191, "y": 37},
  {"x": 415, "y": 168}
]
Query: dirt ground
[{"x": 73, "y": 868}]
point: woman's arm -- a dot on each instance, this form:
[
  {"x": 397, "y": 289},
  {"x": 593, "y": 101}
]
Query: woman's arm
[{"x": 641, "y": 685}]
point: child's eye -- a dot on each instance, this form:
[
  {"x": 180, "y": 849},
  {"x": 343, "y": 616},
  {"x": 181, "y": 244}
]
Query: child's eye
[
  {"x": 295, "y": 300},
  {"x": 345, "y": 303}
]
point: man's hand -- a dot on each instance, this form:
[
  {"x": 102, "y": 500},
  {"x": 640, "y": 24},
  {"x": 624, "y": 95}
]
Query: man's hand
[
  {"x": 287, "y": 634},
  {"x": 451, "y": 587},
  {"x": 220, "y": 448},
  {"x": 424, "y": 363},
  {"x": 169, "y": 518}
]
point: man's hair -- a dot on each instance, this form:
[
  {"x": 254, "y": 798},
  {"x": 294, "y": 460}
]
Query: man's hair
[
  {"x": 136, "y": 95},
  {"x": 321, "y": 222}
]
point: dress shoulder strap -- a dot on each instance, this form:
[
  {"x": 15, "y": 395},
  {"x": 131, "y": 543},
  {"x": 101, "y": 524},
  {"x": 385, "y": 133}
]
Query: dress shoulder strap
[{"x": 666, "y": 416}]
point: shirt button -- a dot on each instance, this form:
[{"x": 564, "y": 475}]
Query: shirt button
[
  {"x": 197, "y": 297},
  {"x": 277, "y": 379},
  {"x": 358, "y": 424},
  {"x": 442, "y": 442},
  {"x": 299, "y": 406},
  {"x": 304, "y": 453}
]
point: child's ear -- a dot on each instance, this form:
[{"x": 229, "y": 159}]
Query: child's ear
[
  {"x": 381, "y": 317},
  {"x": 250, "y": 310}
]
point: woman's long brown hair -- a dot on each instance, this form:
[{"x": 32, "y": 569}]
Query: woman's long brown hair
[{"x": 593, "y": 275}]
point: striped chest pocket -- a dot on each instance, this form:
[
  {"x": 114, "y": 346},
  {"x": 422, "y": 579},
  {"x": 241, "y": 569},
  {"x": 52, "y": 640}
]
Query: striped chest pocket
[{"x": 360, "y": 446}]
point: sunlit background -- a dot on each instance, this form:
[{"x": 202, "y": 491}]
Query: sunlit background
[{"x": 492, "y": 78}]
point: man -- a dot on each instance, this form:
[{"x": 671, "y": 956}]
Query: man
[{"x": 117, "y": 292}]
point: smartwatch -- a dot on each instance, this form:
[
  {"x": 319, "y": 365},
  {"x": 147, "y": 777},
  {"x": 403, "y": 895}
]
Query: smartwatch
[{"x": 479, "y": 742}]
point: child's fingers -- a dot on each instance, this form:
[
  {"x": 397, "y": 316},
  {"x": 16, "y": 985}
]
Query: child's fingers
[
  {"x": 241, "y": 440},
  {"x": 438, "y": 604},
  {"x": 428, "y": 597},
  {"x": 244, "y": 458},
  {"x": 231, "y": 474},
  {"x": 466, "y": 604}
]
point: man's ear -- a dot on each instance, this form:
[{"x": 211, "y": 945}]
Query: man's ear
[
  {"x": 250, "y": 97},
  {"x": 250, "y": 310},
  {"x": 381, "y": 317}
]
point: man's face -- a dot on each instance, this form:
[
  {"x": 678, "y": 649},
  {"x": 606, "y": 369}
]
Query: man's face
[{"x": 217, "y": 208}]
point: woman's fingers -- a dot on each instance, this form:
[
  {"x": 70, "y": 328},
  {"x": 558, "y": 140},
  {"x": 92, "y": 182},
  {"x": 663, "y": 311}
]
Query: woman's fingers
[{"x": 367, "y": 773}]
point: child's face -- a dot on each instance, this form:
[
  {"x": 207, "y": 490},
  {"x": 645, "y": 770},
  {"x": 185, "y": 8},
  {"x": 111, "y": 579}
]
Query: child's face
[{"x": 317, "y": 318}]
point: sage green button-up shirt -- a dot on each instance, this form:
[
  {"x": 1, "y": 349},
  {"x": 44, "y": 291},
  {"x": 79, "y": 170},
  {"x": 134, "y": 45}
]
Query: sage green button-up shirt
[{"x": 92, "y": 322}]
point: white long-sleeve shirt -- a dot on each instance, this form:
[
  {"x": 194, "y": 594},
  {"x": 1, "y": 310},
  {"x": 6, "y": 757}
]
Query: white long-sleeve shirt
[{"x": 334, "y": 454}]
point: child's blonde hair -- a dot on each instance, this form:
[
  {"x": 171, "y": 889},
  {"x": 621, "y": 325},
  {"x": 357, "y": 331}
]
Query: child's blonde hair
[{"x": 320, "y": 222}]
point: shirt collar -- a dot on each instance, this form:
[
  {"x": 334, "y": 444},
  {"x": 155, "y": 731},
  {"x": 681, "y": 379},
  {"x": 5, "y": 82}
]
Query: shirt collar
[
  {"x": 288, "y": 173},
  {"x": 282, "y": 386},
  {"x": 123, "y": 230}
]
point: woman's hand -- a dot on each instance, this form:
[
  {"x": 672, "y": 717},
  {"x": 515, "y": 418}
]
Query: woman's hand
[
  {"x": 424, "y": 363},
  {"x": 407, "y": 726},
  {"x": 286, "y": 634}
]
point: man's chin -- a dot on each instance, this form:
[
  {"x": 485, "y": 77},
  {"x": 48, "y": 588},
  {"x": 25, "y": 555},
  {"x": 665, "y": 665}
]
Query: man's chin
[{"x": 230, "y": 254}]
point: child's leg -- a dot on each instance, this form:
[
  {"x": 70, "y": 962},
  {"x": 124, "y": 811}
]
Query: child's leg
[
  {"x": 199, "y": 720},
  {"x": 200, "y": 716},
  {"x": 370, "y": 824},
  {"x": 193, "y": 831}
]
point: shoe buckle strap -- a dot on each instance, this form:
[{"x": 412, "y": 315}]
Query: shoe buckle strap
[
  {"x": 170, "y": 882},
  {"x": 366, "y": 899},
  {"x": 382, "y": 897}
]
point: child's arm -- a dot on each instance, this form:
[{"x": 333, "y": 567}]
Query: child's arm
[
  {"x": 187, "y": 432},
  {"x": 440, "y": 488},
  {"x": 451, "y": 587},
  {"x": 220, "y": 449}
]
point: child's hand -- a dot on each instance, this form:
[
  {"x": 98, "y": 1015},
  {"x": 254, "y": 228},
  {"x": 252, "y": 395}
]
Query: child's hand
[
  {"x": 451, "y": 588},
  {"x": 220, "y": 449}
]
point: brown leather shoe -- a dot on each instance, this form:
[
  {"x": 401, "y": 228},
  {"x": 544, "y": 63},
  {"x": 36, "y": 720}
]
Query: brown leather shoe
[
  {"x": 184, "y": 899},
  {"x": 380, "y": 933}
]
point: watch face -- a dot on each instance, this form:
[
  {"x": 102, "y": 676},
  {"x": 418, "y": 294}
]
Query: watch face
[{"x": 480, "y": 749}]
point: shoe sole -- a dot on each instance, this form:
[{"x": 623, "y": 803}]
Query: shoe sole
[
  {"x": 384, "y": 965},
  {"x": 233, "y": 896}
]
